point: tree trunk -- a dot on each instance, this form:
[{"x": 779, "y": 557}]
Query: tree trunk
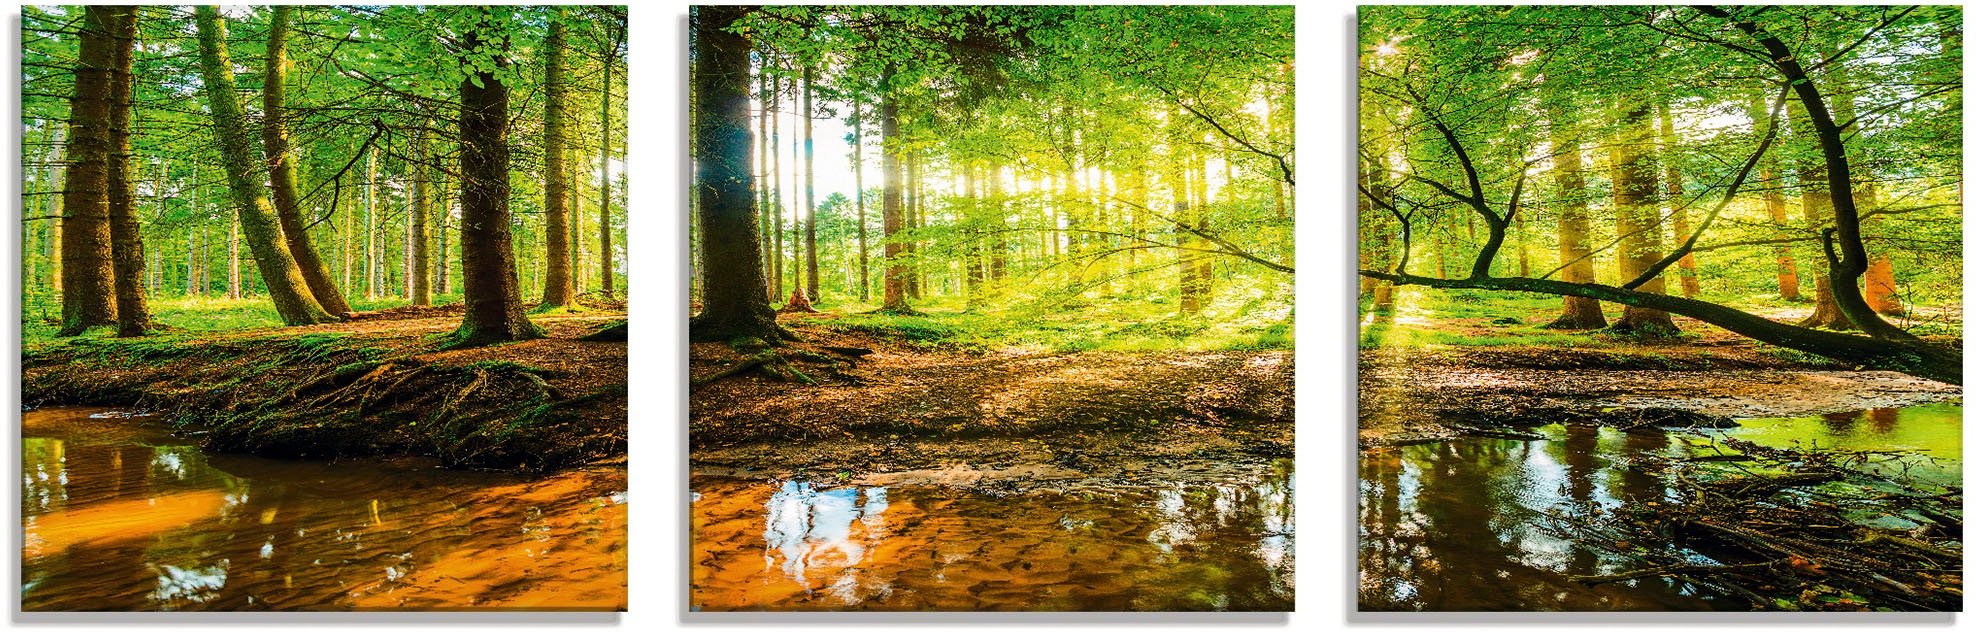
[
  {"x": 776, "y": 241},
  {"x": 1847, "y": 249},
  {"x": 998, "y": 260},
  {"x": 893, "y": 208},
  {"x": 126, "y": 242},
  {"x": 57, "y": 204},
  {"x": 971, "y": 231},
  {"x": 795, "y": 164},
  {"x": 441, "y": 277},
  {"x": 420, "y": 274},
  {"x": 557, "y": 291},
  {"x": 88, "y": 296},
  {"x": 233, "y": 259},
  {"x": 736, "y": 301},
  {"x": 809, "y": 185},
  {"x": 344, "y": 235},
  {"x": 1636, "y": 189},
  {"x": 1669, "y": 140},
  {"x": 1183, "y": 197},
  {"x": 281, "y": 168},
  {"x": 857, "y": 178},
  {"x": 1574, "y": 228},
  {"x": 286, "y": 287},
  {"x": 764, "y": 182},
  {"x": 370, "y": 225},
  {"x": 487, "y": 256},
  {"x": 1773, "y": 203},
  {"x": 1815, "y": 202},
  {"x": 915, "y": 272},
  {"x": 1878, "y": 287},
  {"x": 1202, "y": 270},
  {"x": 1910, "y": 357},
  {"x": 605, "y": 259}
]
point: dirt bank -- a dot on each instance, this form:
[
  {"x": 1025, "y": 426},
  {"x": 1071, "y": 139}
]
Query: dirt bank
[
  {"x": 1408, "y": 395},
  {"x": 376, "y": 386},
  {"x": 907, "y": 413}
]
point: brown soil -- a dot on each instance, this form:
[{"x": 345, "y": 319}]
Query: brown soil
[
  {"x": 907, "y": 413},
  {"x": 368, "y": 386}
]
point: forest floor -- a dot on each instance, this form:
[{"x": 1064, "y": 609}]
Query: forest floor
[
  {"x": 1007, "y": 419},
  {"x": 1478, "y": 369},
  {"x": 378, "y": 385}
]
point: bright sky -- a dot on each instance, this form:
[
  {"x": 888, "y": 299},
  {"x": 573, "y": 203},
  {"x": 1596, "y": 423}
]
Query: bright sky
[{"x": 833, "y": 156}]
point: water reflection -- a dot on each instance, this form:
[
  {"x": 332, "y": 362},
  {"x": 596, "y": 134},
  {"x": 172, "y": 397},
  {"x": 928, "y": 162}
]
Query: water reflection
[
  {"x": 798, "y": 546},
  {"x": 120, "y": 516},
  {"x": 1454, "y": 526}
]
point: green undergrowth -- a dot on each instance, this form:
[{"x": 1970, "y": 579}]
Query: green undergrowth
[
  {"x": 193, "y": 315},
  {"x": 1120, "y": 324}
]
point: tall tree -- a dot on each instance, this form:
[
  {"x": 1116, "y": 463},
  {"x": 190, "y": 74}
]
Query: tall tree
[
  {"x": 606, "y": 259},
  {"x": 736, "y": 301},
  {"x": 809, "y": 180},
  {"x": 420, "y": 274},
  {"x": 1574, "y": 224},
  {"x": 1636, "y": 194},
  {"x": 558, "y": 290},
  {"x": 857, "y": 179},
  {"x": 487, "y": 256},
  {"x": 88, "y": 298},
  {"x": 281, "y": 167},
  {"x": 1773, "y": 204},
  {"x": 126, "y": 241},
  {"x": 890, "y": 147},
  {"x": 286, "y": 287},
  {"x": 1669, "y": 141}
]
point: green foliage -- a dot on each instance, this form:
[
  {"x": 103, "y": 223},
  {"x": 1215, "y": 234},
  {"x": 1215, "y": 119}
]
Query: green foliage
[
  {"x": 387, "y": 73},
  {"x": 1064, "y": 157}
]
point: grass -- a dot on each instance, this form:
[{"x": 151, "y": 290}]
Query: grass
[
  {"x": 1093, "y": 324},
  {"x": 196, "y": 314}
]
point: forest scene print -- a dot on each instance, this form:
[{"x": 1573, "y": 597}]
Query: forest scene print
[
  {"x": 1660, "y": 308},
  {"x": 992, "y": 308},
  {"x": 324, "y": 308}
]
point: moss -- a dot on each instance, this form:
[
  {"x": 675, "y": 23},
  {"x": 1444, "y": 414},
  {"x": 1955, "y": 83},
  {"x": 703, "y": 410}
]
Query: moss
[{"x": 327, "y": 395}]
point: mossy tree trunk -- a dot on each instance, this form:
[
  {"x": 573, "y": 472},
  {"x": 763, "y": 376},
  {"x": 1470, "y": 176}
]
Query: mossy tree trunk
[
  {"x": 88, "y": 295},
  {"x": 281, "y": 168},
  {"x": 286, "y": 286},
  {"x": 126, "y": 242},
  {"x": 487, "y": 256},
  {"x": 558, "y": 290}
]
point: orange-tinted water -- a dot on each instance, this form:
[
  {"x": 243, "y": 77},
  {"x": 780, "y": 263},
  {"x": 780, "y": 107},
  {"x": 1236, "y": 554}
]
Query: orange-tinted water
[
  {"x": 119, "y": 515},
  {"x": 792, "y": 545}
]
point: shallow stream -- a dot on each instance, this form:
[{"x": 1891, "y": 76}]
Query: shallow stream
[{"x": 119, "y": 515}]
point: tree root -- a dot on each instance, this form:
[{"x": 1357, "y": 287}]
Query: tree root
[{"x": 764, "y": 359}]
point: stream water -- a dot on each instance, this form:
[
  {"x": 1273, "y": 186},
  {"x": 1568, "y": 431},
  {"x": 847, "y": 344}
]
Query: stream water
[
  {"x": 1454, "y": 526},
  {"x": 798, "y": 545},
  {"x": 120, "y": 515}
]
